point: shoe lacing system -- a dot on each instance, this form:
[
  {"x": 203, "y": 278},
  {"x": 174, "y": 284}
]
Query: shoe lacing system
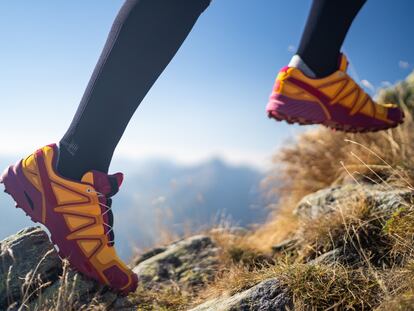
[{"x": 108, "y": 211}]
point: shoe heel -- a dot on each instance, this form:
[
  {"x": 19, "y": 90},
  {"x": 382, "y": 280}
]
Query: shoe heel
[{"x": 23, "y": 193}]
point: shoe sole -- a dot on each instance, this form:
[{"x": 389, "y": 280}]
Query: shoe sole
[
  {"x": 310, "y": 113},
  {"x": 27, "y": 198}
]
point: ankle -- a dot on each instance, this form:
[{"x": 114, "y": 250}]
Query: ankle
[
  {"x": 66, "y": 164},
  {"x": 310, "y": 69},
  {"x": 299, "y": 63}
]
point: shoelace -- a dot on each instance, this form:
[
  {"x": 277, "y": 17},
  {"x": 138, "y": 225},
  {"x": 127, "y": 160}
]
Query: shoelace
[{"x": 108, "y": 210}]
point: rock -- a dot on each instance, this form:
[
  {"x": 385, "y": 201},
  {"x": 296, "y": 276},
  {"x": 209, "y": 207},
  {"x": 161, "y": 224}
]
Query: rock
[
  {"x": 75, "y": 291},
  {"x": 149, "y": 254},
  {"x": 29, "y": 256},
  {"x": 327, "y": 200},
  {"x": 236, "y": 231},
  {"x": 27, "y": 259},
  {"x": 30, "y": 276},
  {"x": 125, "y": 304},
  {"x": 284, "y": 246},
  {"x": 268, "y": 295},
  {"x": 328, "y": 258},
  {"x": 189, "y": 263},
  {"x": 13, "y": 307}
]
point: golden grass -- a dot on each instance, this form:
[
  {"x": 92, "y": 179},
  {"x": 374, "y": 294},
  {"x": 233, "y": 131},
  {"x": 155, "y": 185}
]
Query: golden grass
[
  {"x": 165, "y": 298},
  {"x": 321, "y": 158},
  {"x": 374, "y": 276},
  {"x": 65, "y": 298},
  {"x": 382, "y": 243},
  {"x": 327, "y": 288},
  {"x": 381, "y": 273},
  {"x": 401, "y": 228}
]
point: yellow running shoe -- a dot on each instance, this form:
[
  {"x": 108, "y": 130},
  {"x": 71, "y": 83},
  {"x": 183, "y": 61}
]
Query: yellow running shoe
[
  {"x": 335, "y": 101},
  {"x": 77, "y": 214}
]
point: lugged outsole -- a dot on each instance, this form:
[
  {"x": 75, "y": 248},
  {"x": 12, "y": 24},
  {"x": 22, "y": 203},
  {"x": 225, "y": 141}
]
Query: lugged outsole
[
  {"x": 278, "y": 115},
  {"x": 332, "y": 125},
  {"x": 21, "y": 204}
]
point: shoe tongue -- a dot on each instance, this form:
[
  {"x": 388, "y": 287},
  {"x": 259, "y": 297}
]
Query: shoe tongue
[
  {"x": 343, "y": 63},
  {"x": 106, "y": 184}
]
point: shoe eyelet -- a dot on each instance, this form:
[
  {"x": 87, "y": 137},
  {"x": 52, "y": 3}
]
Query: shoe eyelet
[{"x": 89, "y": 190}]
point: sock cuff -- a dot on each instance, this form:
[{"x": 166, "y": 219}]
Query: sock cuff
[{"x": 298, "y": 62}]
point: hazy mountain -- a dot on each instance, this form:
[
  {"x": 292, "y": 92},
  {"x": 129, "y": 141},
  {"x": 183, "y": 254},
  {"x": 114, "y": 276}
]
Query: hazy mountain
[{"x": 159, "y": 196}]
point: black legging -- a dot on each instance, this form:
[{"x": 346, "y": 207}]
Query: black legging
[
  {"x": 325, "y": 31},
  {"x": 144, "y": 38}
]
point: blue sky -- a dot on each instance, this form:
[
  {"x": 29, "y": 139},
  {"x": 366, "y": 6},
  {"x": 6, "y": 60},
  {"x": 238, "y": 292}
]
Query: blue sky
[{"x": 209, "y": 102}]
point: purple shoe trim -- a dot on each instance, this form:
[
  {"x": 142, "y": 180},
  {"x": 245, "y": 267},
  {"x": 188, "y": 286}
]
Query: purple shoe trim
[
  {"x": 284, "y": 108},
  {"x": 395, "y": 114},
  {"x": 30, "y": 200},
  {"x": 23, "y": 192},
  {"x": 27, "y": 197},
  {"x": 116, "y": 277},
  {"x": 57, "y": 226}
]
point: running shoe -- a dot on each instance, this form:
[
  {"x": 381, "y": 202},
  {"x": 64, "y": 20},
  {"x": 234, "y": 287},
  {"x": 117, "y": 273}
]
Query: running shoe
[
  {"x": 77, "y": 214},
  {"x": 335, "y": 101}
]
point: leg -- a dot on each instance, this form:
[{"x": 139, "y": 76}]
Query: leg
[
  {"x": 324, "y": 34},
  {"x": 144, "y": 38},
  {"x": 315, "y": 88}
]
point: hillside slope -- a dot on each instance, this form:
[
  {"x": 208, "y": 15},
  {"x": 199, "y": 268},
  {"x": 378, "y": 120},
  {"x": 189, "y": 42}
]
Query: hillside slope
[
  {"x": 161, "y": 196},
  {"x": 340, "y": 237}
]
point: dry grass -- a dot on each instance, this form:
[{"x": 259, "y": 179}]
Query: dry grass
[
  {"x": 401, "y": 228},
  {"x": 64, "y": 298},
  {"x": 327, "y": 288},
  {"x": 165, "y": 298},
  {"x": 373, "y": 276},
  {"x": 380, "y": 274},
  {"x": 322, "y": 157},
  {"x": 356, "y": 228}
]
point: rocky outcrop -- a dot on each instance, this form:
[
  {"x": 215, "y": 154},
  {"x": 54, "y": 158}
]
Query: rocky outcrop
[
  {"x": 33, "y": 277},
  {"x": 380, "y": 196},
  {"x": 72, "y": 291},
  {"x": 268, "y": 295},
  {"x": 27, "y": 259},
  {"x": 189, "y": 263}
]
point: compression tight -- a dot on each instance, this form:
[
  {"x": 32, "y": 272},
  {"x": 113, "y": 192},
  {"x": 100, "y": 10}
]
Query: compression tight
[
  {"x": 325, "y": 31},
  {"x": 144, "y": 38}
]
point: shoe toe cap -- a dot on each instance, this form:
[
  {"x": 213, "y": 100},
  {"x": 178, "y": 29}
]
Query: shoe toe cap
[
  {"x": 119, "y": 279},
  {"x": 395, "y": 114}
]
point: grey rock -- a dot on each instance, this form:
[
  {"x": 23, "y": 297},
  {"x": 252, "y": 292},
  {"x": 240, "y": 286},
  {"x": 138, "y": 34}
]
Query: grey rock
[
  {"x": 327, "y": 200},
  {"x": 336, "y": 256},
  {"x": 26, "y": 260},
  {"x": 284, "y": 246},
  {"x": 268, "y": 295},
  {"x": 189, "y": 263},
  {"x": 75, "y": 291},
  {"x": 149, "y": 254},
  {"x": 30, "y": 276},
  {"x": 328, "y": 258},
  {"x": 124, "y": 304},
  {"x": 237, "y": 231},
  {"x": 13, "y": 307}
]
